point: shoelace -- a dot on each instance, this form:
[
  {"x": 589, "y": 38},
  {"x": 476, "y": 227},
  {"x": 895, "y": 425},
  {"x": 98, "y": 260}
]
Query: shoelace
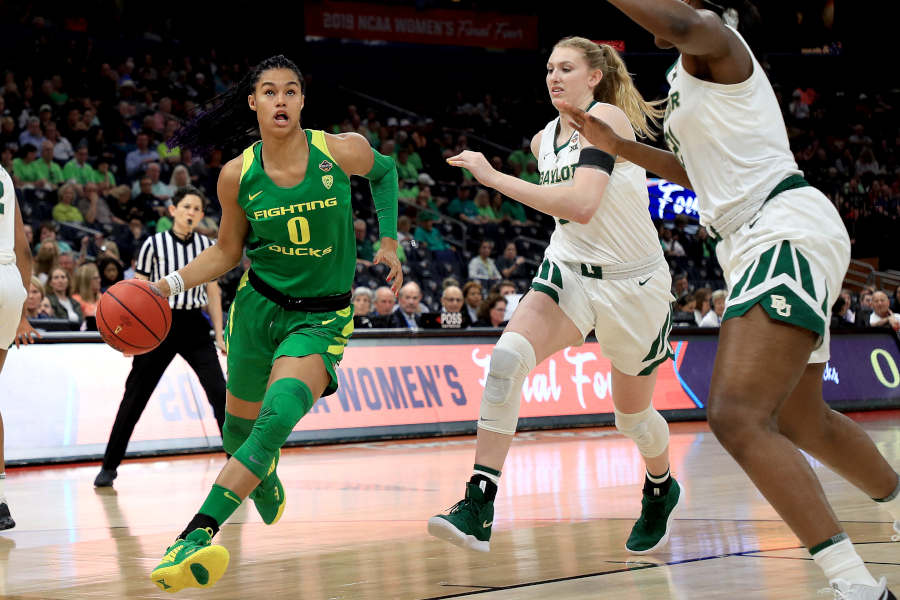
[
  {"x": 460, "y": 506},
  {"x": 833, "y": 592}
]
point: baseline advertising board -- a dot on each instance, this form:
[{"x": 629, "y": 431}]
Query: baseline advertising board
[{"x": 59, "y": 400}]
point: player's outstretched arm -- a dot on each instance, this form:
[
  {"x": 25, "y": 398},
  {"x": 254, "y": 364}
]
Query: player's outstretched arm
[
  {"x": 353, "y": 153},
  {"x": 695, "y": 32},
  {"x": 601, "y": 135},
  {"x": 226, "y": 253}
]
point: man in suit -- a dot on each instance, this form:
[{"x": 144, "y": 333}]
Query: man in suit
[{"x": 407, "y": 314}]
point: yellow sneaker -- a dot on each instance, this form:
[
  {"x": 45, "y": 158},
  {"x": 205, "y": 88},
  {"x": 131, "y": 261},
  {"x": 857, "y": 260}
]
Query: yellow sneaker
[
  {"x": 191, "y": 562},
  {"x": 268, "y": 496}
]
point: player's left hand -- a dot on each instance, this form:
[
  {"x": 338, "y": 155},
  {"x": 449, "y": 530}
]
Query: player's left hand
[
  {"x": 220, "y": 344},
  {"x": 25, "y": 333},
  {"x": 387, "y": 255},
  {"x": 477, "y": 165}
]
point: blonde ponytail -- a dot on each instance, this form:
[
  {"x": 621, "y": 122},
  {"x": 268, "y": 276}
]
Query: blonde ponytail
[{"x": 617, "y": 87}]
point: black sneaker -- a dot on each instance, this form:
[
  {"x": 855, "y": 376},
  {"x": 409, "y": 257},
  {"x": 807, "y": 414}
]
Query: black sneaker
[
  {"x": 105, "y": 478},
  {"x": 6, "y": 521},
  {"x": 468, "y": 523}
]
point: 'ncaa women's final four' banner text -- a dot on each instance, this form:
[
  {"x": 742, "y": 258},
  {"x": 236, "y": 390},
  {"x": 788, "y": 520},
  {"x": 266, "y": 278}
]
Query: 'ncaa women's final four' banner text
[{"x": 60, "y": 400}]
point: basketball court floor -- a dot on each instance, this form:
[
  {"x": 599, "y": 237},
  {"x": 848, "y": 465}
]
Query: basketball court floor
[{"x": 355, "y": 525}]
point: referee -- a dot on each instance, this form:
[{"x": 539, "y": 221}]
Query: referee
[{"x": 161, "y": 254}]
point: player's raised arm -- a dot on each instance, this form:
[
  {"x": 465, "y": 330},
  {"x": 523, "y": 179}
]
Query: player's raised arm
[
  {"x": 226, "y": 253},
  {"x": 602, "y": 135}
]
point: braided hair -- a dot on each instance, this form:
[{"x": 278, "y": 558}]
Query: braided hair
[{"x": 226, "y": 121}]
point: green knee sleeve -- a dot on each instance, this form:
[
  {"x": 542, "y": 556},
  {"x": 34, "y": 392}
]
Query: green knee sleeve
[
  {"x": 286, "y": 401},
  {"x": 235, "y": 432}
]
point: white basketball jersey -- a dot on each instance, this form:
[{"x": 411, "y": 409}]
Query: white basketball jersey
[
  {"x": 7, "y": 218},
  {"x": 621, "y": 230},
  {"x": 730, "y": 139}
]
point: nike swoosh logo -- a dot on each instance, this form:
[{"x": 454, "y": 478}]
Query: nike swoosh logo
[
  {"x": 232, "y": 497},
  {"x": 645, "y": 281},
  {"x": 253, "y": 196},
  {"x": 253, "y": 460},
  {"x": 328, "y": 321},
  {"x": 486, "y": 524},
  {"x": 483, "y": 419},
  {"x": 754, "y": 222}
]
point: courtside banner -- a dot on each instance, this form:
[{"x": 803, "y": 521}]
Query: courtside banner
[
  {"x": 59, "y": 400},
  {"x": 406, "y": 24}
]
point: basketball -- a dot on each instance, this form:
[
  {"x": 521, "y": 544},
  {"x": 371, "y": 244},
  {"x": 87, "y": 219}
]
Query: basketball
[{"x": 132, "y": 318}]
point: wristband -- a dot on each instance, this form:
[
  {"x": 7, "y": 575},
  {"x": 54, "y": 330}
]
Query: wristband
[{"x": 176, "y": 283}]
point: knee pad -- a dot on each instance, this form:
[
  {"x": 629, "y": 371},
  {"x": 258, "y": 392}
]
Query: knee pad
[
  {"x": 286, "y": 401},
  {"x": 235, "y": 432},
  {"x": 647, "y": 428},
  {"x": 512, "y": 359}
]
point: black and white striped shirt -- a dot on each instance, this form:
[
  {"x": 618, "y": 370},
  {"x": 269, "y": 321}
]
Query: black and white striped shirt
[{"x": 165, "y": 253}]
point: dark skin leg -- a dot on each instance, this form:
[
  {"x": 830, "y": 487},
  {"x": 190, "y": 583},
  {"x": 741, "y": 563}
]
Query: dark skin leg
[
  {"x": 758, "y": 365},
  {"x": 833, "y": 438}
]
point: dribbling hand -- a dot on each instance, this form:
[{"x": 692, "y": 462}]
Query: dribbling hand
[
  {"x": 160, "y": 288},
  {"x": 387, "y": 255},
  {"x": 595, "y": 130}
]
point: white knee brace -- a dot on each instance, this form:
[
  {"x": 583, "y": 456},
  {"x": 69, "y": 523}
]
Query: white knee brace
[
  {"x": 513, "y": 358},
  {"x": 647, "y": 428}
]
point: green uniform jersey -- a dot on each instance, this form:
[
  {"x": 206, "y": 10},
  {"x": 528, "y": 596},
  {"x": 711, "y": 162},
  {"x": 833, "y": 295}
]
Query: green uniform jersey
[{"x": 301, "y": 239}]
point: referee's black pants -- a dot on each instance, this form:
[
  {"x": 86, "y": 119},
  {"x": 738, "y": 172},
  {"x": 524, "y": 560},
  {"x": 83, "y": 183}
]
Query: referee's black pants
[{"x": 189, "y": 337}]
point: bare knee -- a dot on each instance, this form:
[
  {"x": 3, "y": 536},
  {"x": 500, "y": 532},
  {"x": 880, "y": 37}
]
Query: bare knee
[{"x": 736, "y": 423}]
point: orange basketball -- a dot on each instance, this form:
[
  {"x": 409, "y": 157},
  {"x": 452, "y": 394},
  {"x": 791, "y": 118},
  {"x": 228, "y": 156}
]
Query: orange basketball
[{"x": 131, "y": 318}]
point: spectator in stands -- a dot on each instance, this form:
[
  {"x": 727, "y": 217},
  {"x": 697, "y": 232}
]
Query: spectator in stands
[
  {"x": 365, "y": 253},
  {"x": 407, "y": 314},
  {"x": 866, "y": 163},
  {"x": 87, "y": 293},
  {"x": 32, "y": 134},
  {"x": 492, "y": 312},
  {"x": 385, "y": 304},
  {"x": 34, "y": 299},
  {"x": 482, "y": 267},
  {"x": 670, "y": 244},
  {"x": 865, "y": 308},
  {"x": 137, "y": 160},
  {"x": 430, "y": 237},
  {"x": 472, "y": 292},
  {"x": 9, "y": 139},
  {"x": 65, "y": 211},
  {"x": 63, "y": 151},
  {"x": 122, "y": 207},
  {"x": 701, "y": 304},
  {"x": 152, "y": 208},
  {"x": 103, "y": 176},
  {"x": 50, "y": 175},
  {"x": 680, "y": 285},
  {"x": 67, "y": 261},
  {"x": 463, "y": 207},
  {"x": 111, "y": 271},
  {"x": 848, "y": 315},
  {"x": 510, "y": 265},
  {"x": 94, "y": 207},
  {"x": 78, "y": 170},
  {"x": 881, "y": 312},
  {"x": 531, "y": 174},
  {"x": 452, "y": 313},
  {"x": 406, "y": 171},
  {"x": 64, "y": 307},
  {"x": 404, "y": 235},
  {"x": 704, "y": 247},
  {"x": 46, "y": 260},
  {"x": 169, "y": 156},
  {"x": 839, "y": 314},
  {"x": 362, "y": 306},
  {"x": 895, "y": 303},
  {"x": 714, "y": 317},
  {"x": 511, "y": 210},
  {"x": 162, "y": 191},
  {"x": 47, "y": 231},
  {"x": 684, "y": 310},
  {"x": 486, "y": 213}
]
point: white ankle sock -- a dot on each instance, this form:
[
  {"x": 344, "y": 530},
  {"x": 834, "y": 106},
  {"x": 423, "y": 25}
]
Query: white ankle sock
[
  {"x": 661, "y": 479},
  {"x": 840, "y": 561},
  {"x": 492, "y": 474}
]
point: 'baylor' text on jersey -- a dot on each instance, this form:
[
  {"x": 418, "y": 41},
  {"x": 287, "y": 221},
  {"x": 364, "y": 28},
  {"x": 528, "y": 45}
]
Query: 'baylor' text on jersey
[
  {"x": 621, "y": 230},
  {"x": 301, "y": 239}
]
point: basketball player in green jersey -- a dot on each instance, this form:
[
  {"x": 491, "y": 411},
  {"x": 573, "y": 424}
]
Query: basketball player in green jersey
[{"x": 288, "y": 197}]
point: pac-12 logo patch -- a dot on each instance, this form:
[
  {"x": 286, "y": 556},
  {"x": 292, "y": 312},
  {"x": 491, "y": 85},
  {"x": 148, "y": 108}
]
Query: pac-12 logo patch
[
  {"x": 327, "y": 181},
  {"x": 325, "y": 166}
]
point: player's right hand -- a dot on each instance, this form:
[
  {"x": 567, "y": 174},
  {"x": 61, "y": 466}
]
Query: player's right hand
[{"x": 597, "y": 131}]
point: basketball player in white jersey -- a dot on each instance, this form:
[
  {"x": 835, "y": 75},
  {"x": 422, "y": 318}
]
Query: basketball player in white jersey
[
  {"x": 15, "y": 275},
  {"x": 784, "y": 252},
  {"x": 603, "y": 271}
]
